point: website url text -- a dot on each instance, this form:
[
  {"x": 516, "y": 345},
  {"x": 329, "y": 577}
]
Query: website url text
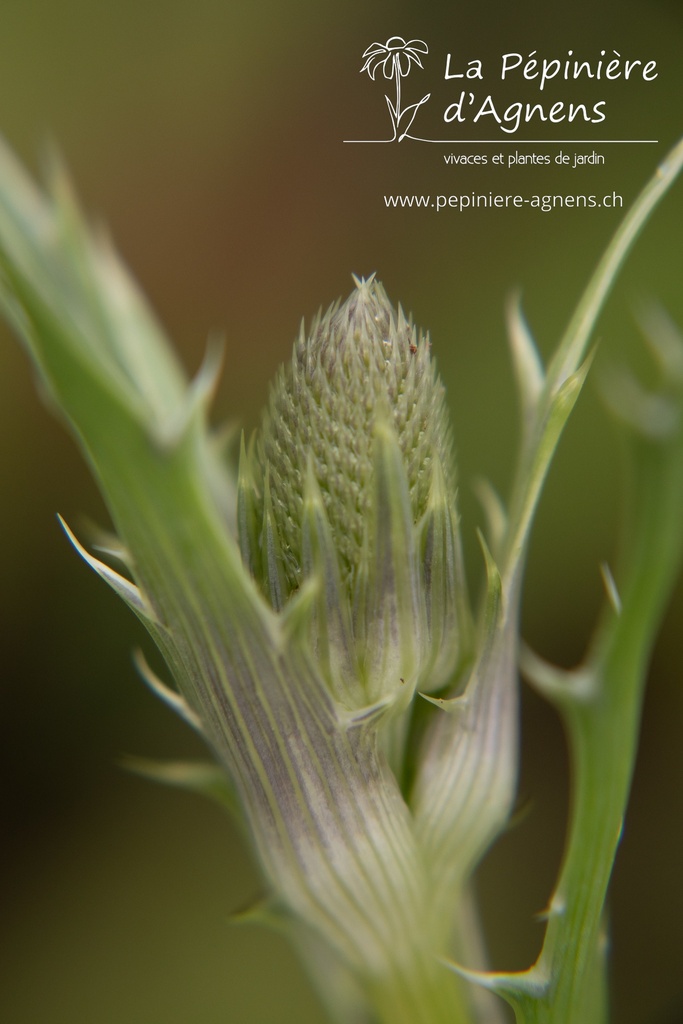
[{"x": 497, "y": 201}]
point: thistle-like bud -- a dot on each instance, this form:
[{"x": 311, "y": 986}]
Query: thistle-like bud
[{"x": 351, "y": 483}]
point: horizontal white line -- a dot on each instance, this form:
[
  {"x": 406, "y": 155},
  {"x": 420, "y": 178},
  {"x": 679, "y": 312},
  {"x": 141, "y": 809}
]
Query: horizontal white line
[{"x": 518, "y": 142}]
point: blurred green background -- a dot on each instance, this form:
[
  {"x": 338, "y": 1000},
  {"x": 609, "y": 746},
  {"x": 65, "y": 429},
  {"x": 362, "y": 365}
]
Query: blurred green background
[{"x": 208, "y": 136}]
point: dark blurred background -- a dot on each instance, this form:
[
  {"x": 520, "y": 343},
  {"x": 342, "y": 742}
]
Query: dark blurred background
[{"x": 208, "y": 136}]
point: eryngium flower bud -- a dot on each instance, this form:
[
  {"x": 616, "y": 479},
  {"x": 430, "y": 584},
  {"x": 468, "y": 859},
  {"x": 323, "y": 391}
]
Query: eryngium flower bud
[{"x": 351, "y": 482}]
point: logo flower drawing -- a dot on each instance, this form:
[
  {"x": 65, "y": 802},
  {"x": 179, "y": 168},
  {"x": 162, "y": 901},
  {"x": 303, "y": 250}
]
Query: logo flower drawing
[{"x": 395, "y": 58}]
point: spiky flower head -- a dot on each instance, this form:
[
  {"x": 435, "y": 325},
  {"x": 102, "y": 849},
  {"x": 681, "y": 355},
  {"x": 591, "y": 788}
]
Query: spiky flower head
[{"x": 351, "y": 481}]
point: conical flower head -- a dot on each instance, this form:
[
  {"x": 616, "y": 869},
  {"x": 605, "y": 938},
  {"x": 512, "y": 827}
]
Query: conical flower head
[{"x": 351, "y": 466}]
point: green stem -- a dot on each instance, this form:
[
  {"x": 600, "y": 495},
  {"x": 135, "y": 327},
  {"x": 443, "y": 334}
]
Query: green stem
[
  {"x": 604, "y": 731},
  {"x": 601, "y": 705}
]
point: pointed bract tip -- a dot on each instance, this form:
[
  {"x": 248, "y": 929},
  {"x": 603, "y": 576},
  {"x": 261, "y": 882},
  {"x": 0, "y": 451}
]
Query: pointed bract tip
[
  {"x": 610, "y": 587},
  {"x": 560, "y": 686},
  {"x": 129, "y": 592},
  {"x": 514, "y": 987},
  {"x": 452, "y": 705},
  {"x": 170, "y": 697},
  {"x": 361, "y": 282}
]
